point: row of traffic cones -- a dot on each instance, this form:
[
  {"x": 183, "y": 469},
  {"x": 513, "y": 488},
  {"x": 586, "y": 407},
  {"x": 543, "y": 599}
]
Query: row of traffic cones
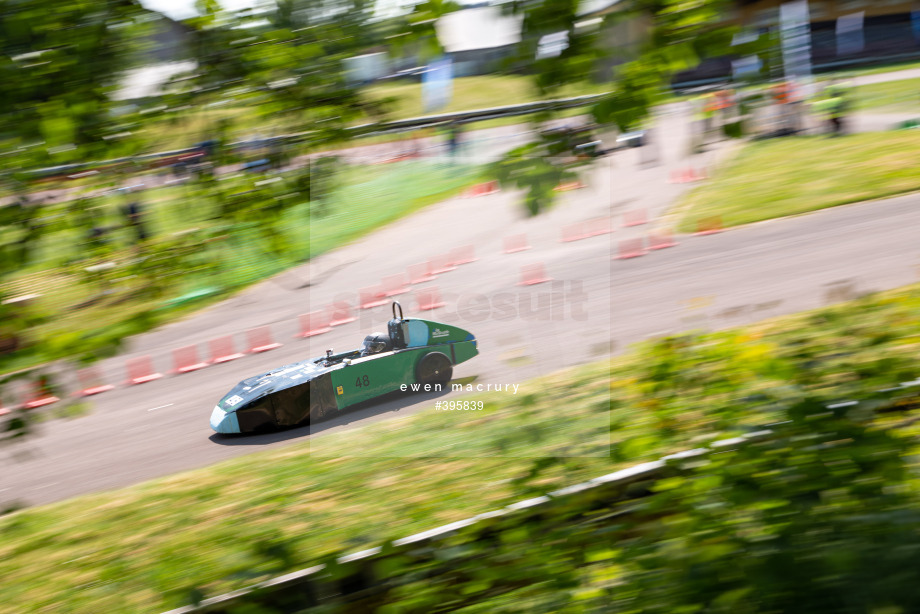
[
  {"x": 140, "y": 369},
  {"x": 37, "y": 393},
  {"x": 688, "y": 175},
  {"x": 601, "y": 226},
  {"x": 663, "y": 238},
  {"x": 482, "y": 189},
  {"x": 639, "y": 246},
  {"x": 491, "y": 187}
]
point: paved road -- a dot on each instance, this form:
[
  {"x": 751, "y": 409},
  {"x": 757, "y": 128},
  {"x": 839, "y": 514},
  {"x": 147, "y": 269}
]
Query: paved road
[
  {"x": 895, "y": 75},
  {"x": 598, "y": 306}
]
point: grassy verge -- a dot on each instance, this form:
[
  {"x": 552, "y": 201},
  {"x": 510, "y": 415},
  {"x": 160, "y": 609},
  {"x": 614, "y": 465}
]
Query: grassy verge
[
  {"x": 901, "y": 96},
  {"x": 475, "y": 93},
  {"x": 874, "y": 70},
  {"x": 359, "y": 208},
  {"x": 147, "y": 548},
  {"x": 781, "y": 177},
  {"x": 245, "y": 122}
]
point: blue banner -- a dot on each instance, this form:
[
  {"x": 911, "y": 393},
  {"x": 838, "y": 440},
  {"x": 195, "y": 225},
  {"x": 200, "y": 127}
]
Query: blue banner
[{"x": 437, "y": 85}]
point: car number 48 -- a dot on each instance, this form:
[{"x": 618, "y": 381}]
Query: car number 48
[{"x": 362, "y": 382}]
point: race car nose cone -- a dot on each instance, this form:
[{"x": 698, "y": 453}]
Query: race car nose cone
[{"x": 225, "y": 423}]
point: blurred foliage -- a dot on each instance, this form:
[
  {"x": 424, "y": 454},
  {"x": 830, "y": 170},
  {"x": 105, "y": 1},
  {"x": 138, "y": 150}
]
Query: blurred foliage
[
  {"x": 289, "y": 69},
  {"x": 815, "y": 518},
  {"x": 419, "y": 32},
  {"x": 680, "y": 34},
  {"x": 59, "y": 61},
  {"x": 535, "y": 169},
  {"x": 636, "y": 90},
  {"x": 325, "y": 177},
  {"x": 554, "y": 66},
  {"x": 21, "y": 226},
  {"x": 818, "y": 517}
]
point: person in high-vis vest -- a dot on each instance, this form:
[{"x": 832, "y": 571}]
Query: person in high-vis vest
[
  {"x": 841, "y": 108},
  {"x": 835, "y": 105}
]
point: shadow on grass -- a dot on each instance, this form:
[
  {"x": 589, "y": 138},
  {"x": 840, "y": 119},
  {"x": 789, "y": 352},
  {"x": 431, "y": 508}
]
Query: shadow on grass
[{"x": 385, "y": 404}]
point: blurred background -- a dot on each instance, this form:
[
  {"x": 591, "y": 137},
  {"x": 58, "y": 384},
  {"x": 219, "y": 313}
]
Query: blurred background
[
  {"x": 113, "y": 119},
  {"x": 179, "y": 174}
]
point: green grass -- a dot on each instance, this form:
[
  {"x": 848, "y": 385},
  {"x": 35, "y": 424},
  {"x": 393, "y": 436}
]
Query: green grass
[
  {"x": 361, "y": 207},
  {"x": 789, "y": 176},
  {"x": 245, "y": 121},
  {"x": 889, "y": 97},
  {"x": 874, "y": 70},
  {"x": 145, "y": 548},
  {"x": 476, "y": 93}
]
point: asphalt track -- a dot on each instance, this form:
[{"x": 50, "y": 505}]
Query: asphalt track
[{"x": 595, "y": 306}]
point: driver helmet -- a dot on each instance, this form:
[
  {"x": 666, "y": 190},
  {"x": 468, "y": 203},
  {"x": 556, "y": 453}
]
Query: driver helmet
[{"x": 375, "y": 343}]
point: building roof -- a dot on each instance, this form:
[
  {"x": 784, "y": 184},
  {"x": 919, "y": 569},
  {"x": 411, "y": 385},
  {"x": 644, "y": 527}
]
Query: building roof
[
  {"x": 483, "y": 27},
  {"x": 596, "y": 8}
]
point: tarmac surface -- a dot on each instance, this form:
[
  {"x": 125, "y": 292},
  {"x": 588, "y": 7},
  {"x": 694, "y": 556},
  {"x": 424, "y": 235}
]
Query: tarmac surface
[{"x": 595, "y": 305}]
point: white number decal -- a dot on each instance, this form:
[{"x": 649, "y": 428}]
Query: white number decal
[{"x": 233, "y": 400}]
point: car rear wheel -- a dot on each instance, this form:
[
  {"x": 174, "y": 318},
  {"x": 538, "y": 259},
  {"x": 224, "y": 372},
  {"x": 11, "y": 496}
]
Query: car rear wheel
[{"x": 434, "y": 368}]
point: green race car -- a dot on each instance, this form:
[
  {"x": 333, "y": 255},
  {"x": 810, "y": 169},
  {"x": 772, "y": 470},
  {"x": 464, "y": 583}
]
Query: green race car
[{"x": 413, "y": 354}]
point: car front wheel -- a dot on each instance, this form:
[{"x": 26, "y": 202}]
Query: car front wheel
[{"x": 434, "y": 368}]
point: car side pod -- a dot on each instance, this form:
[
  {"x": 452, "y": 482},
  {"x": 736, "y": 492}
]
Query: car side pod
[{"x": 223, "y": 422}]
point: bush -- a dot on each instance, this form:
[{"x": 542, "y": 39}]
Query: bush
[{"x": 733, "y": 130}]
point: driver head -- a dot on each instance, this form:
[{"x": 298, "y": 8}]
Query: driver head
[{"x": 375, "y": 343}]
